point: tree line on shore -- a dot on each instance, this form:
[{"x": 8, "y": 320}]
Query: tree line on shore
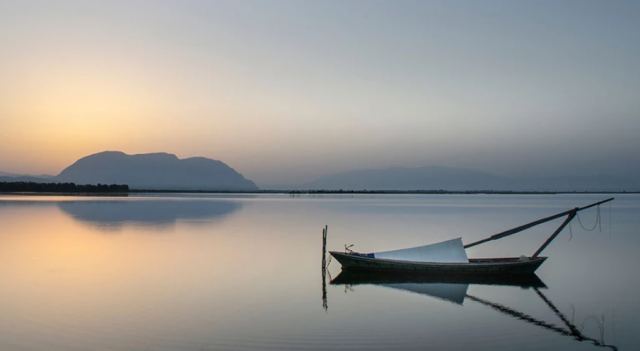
[{"x": 29, "y": 187}]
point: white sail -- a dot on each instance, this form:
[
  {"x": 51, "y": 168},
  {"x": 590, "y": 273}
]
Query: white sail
[{"x": 450, "y": 251}]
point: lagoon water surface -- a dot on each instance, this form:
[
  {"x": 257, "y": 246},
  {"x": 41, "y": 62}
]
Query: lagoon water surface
[{"x": 243, "y": 272}]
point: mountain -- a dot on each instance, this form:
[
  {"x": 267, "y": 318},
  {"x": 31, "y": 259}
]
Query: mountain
[
  {"x": 159, "y": 171},
  {"x": 163, "y": 171},
  {"x": 456, "y": 179}
]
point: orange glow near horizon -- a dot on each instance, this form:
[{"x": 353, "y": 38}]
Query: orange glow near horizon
[{"x": 59, "y": 114}]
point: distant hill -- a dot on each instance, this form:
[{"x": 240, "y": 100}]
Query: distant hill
[
  {"x": 401, "y": 178},
  {"x": 159, "y": 171},
  {"x": 163, "y": 171},
  {"x": 26, "y": 178},
  {"x": 16, "y": 177},
  {"x": 456, "y": 179}
]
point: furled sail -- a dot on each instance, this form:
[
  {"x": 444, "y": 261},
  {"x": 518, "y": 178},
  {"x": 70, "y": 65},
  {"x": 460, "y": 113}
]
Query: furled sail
[{"x": 450, "y": 251}]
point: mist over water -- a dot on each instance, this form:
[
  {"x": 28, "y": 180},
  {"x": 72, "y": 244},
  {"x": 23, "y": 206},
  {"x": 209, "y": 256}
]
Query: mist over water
[{"x": 227, "y": 272}]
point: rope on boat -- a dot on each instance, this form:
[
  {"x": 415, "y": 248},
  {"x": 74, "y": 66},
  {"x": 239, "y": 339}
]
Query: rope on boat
[{"x": 596, "y": 224}]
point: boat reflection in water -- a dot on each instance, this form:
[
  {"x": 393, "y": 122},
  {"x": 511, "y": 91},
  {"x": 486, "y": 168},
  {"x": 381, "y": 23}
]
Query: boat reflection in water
[{"x": 455, "y": 289}]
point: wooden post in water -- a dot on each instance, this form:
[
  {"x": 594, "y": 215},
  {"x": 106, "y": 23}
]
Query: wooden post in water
[
  {"x": 324, "y": 247},
  {"x": 324, "y": 268}
]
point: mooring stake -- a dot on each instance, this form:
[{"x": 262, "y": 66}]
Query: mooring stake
[{"x": 324, "y": 268}]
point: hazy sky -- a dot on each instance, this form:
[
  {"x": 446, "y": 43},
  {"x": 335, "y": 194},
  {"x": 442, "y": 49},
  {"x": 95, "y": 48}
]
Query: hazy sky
[{"x": 284, "y": 91}]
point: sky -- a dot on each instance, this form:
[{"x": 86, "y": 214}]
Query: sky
[{"x": 286, "y": 91}]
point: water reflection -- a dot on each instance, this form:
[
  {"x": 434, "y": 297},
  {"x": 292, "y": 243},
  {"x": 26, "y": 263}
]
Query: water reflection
[
  {"x": 455, "y": 289},
  {"x": 147, "y": 212},
  {"x": 67, "y": 286}
]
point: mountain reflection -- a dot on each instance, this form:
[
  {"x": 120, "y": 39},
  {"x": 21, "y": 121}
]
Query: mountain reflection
[
  {"x": 454, "y": 289},
  {"x": 147, "y": 212}
]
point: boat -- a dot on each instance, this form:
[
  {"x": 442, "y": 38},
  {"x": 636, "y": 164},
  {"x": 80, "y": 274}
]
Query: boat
[
  {"x": 494, "y": 266},
  {"x": 450, "y": 258}
]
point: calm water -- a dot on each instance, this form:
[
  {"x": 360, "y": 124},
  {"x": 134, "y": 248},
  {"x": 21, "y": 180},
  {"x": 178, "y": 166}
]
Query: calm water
[{"x": 244, "y": 273}]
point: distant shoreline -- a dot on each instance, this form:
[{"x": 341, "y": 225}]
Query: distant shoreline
[
  {"x": 32, "y": 188},
  {"x": 61, "y": 188},
  {"x": 123, "y": 190},
  {"x": 313, "y": 192},
  {"x": 398, "y": 192}
]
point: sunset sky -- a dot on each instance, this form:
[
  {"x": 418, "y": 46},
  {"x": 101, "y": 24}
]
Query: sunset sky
[{"x": 285, "y": 91}]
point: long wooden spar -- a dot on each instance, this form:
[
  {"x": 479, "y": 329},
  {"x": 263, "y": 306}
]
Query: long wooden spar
[{"x": 569, "y": 213}]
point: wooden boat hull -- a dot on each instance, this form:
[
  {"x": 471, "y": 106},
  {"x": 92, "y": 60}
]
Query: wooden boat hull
[{"x": 487, "y": 266}]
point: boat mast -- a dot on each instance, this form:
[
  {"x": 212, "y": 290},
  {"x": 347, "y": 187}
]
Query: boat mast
[{"x": 570, "y": 213}]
